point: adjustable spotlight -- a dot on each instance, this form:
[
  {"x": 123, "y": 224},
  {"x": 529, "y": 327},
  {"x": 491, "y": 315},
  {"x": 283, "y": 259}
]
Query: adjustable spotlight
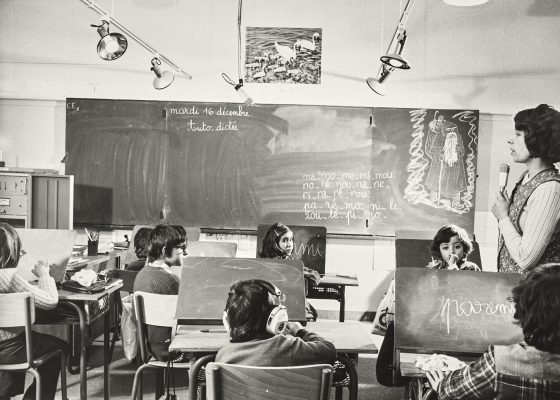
[
  {"x": 162, "y": 79},
  {"x": 376, "y": 84},
  {"x": 112, "y": 45},
  {"x": 395, "y": 59}
]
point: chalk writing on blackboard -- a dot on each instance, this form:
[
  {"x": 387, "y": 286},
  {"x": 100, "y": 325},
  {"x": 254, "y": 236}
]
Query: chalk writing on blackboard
[
  {"x": 198, "y": 125},
  {"x": 442, "y": 168},
  {"x": 471, "y": 314},
  {"x": 345, "y": 195}
]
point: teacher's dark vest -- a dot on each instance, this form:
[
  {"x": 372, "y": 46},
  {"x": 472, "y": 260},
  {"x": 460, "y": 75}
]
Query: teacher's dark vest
[{"x": 519, "y": 198}]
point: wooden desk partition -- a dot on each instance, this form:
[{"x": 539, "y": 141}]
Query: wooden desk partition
[
  {"x": 205, "y": 283},
  {"x": 460, "y": 312}
]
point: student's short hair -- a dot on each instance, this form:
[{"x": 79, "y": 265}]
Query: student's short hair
[
  {"x": 10, "y": 246},
  {"x": 537, "y": 307},
  {"x": 141, "y": 240},
  {"x": 541, "y": 126},
  {"x": 270, "y": 247},
  {"x": 445, "y": 234},
  {"x": 181, "y": 230},
  {"x": 163, "y": 236},
  {"x": 248, "y": 307}
]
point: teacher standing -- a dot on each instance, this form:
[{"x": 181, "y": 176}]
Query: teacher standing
[{"x": 529, "y": 220}]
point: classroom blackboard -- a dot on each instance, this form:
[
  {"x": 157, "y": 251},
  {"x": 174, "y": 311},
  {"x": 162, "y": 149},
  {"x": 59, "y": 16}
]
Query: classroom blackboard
[
  {"x": 453, "y": 311},
  {"x": 310, "y": 245},
  {"x": 205, "y": 283},
  {"x": 354, "y": 170}
]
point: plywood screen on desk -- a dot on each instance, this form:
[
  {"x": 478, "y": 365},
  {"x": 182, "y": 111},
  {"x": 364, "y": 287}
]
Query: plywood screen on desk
[
  {"x": 453, "y": 311},
  {"x": 354, "y": 170}
]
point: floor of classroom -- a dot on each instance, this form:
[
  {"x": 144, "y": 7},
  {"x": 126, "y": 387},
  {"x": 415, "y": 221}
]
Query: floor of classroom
[{"x": 122, "y": 374}]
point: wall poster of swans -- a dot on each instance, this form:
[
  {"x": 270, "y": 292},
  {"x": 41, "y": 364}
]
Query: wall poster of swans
[{"x": 283, "y": 55}]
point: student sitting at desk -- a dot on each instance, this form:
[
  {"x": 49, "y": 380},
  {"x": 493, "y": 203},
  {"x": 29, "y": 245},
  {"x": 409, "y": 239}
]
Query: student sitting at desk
[
  {"x": 528, "y": 370},
  {"x": 140, "y": 249},
  {"x": 261, "y": 334},
  {"x": 166, "y": 247},
  {"x": 278, "y": 242},
  {"x": 12, "y": 340},
  {"x": 450, "y": 247}
]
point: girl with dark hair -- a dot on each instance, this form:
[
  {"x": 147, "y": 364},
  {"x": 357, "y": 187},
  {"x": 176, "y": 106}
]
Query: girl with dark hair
[
  {"x": 450, "y": 248},
  {"x": 12, "y": 340},
  {"x": 529, "y": 220},
  {"x": 278, "y": 242}
]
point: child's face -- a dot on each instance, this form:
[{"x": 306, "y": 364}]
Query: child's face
[
  {"x": 452, "y": 251},
  {"x": 286, "y": 243}
]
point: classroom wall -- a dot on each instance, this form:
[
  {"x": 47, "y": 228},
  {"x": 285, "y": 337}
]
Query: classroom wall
[{"x": 497, "y": 58}]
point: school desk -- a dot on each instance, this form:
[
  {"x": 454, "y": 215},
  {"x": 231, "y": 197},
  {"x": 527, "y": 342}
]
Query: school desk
[
  {"x": 333, "y": 287},
  {"x": 407, "y": 365},
  {"x": 349, "y": 337}
]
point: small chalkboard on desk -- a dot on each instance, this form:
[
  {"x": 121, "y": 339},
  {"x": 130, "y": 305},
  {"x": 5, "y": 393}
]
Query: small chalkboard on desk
[
  {"x": 456, "y": 312},
  {"x": 205, "y": 283},
  {"x": 310, "y": 244}
]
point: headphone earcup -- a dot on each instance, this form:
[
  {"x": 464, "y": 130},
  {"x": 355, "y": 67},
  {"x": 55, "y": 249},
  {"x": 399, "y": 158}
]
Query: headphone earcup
[{"x": 276, "y": 322}]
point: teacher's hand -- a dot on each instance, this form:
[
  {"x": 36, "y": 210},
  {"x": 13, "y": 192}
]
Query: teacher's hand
[
  {"x": 500, "y": 209},
  {"x": 41, "y": 269},
  {"x": 435, "y": 378}
]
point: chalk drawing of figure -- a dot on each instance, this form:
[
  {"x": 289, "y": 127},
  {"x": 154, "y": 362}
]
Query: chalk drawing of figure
[{"x": 444, "y": 146}]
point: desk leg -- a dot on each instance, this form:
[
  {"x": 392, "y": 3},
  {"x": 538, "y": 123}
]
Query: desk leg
[
  {"x": 342, "y": 303},
  {"x": 106, "y": 358},
  {"x": 83, "y": 369}
]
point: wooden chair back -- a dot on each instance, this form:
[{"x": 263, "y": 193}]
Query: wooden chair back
[
  {"x": 228, "y": 381},
  {"x": 17, "y": 310},
  {"x": 128, "y": 278},
  {"x": 153, "y": 309}
]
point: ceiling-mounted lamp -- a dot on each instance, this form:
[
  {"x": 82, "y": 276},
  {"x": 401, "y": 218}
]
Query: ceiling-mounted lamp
[
  {"x": 376, "y": 84},
  {"x": 396, "y": 59},
  {"x": 390, "y": 61},
  {"x": 162, "y": 79},
  {"x": 465, "y": 3},
  {"x": 112, "y": 45}
]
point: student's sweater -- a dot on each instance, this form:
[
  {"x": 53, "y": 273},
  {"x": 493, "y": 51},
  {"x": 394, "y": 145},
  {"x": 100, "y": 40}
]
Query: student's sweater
[
  {"x": 44, "y": 294},
  {"x": 159, "y": 280},
  {"x": 279, "y": 351}
]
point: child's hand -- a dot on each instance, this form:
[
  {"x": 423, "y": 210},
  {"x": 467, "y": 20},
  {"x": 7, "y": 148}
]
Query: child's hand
[
  {"x": 435, "y": 378},
  {"x": 452, "y": 262},
  {"x": 293, "y": 327},
  {"x": 41, "y": 269}
]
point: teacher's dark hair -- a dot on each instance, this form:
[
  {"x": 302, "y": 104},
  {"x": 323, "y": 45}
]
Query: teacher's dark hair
[
  {"x": 541, "y": 126},
  {"x": 537, "y": 307},
  {"x": 10, "y": 246},
  {"x": 163, "y": 236},
  {"x": 445, "y": 234},
  {"x": 270, "y": 247},
  {"x": 248, "y": 307}
]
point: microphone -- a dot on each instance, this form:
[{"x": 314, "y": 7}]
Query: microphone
[{"x": 504, "y": 172}]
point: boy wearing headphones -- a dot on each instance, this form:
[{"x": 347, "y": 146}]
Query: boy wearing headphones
[{"x": 261, "y": 334}]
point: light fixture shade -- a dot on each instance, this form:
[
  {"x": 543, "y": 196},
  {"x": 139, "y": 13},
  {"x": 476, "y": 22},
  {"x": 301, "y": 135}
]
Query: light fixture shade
[
  {"x": 395, "y": 60},
  {"x": 465, "y": 3},
  {"x": 376, "y": 86},
  {"x": 166, "y": 79},
  {"x": 162, "y": 79},
  {"x": 112, "y": 45}
]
